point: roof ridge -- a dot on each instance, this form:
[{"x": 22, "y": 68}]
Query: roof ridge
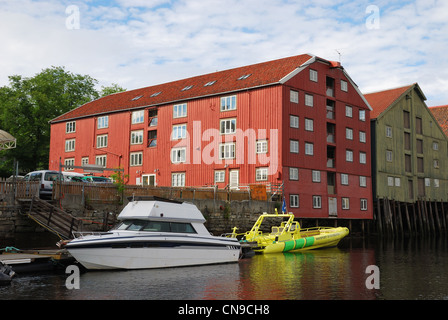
[
  {"x": 396, "y": 88},
  {"x": 220, "y": 82}
]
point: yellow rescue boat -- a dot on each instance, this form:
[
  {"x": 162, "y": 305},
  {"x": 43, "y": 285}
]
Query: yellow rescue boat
[{"x": 289, "y": 237}]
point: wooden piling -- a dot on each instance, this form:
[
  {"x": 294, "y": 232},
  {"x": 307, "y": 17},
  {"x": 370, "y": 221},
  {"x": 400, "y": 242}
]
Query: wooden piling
[
  {"x": 408, "y": 220},
  {"x": 378, "y": 217}
]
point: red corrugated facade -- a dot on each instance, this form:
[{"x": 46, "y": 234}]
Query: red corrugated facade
[{"x": 278, "y": 126}]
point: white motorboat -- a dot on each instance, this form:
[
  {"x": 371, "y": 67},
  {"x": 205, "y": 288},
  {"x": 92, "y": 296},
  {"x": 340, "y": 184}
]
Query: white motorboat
[{"x": 154, "y": 233}]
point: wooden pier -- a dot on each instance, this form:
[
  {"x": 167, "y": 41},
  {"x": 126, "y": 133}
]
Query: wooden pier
[{"x": 424, "y": 217}]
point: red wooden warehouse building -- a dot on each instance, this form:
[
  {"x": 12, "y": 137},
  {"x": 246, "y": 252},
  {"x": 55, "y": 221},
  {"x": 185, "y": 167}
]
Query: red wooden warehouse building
[{"x": 300, "y": 121}]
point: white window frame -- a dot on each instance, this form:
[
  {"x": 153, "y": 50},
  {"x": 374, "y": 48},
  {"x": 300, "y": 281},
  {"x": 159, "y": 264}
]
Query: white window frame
[
  {"x": 220, "y": 176},
  {"x": 103, "y": 122},
  {"x": 349, "y": 111},
  {"x": 390, "y": 181},
  {"x": 362, "y": 137},
  {"x": 344, "y": 179},
  {"x": 435, "y": 146},
  {"x": 262, "y": 147},
  {"x": 362, "y": 115},
  {"x": 294, "y": 174},
  {"x": 309, "y": 124},
  {"x": 178, "y": 179},
  {"x": 345, "y": 202},
  {"x": 137, "y": 137},
  {"x": 101, "y": 160},
  {"x": 436, "y": 183},
  {"x": 349, "y": 155},
  {"x": 344, "y": 86},
  {"x": 309, "y": 148},
  {"x": 389, "y": 156},
  {"x": 362, "y": 157},
  {"x": 293, "y": 146},
  {"x": 70, "y": 127},
  {"x": 294, "y": 201},
  {"x": 363, "y": 181},
  {"x": 70, "y": 145},
  {"x": 179, "y": 132},
  {"x": 136, "y": 159},
  {"x": 388, "y": 131},
  {"x": 364, "y": 205},
  {"x": 309, "y": 100},
  {"x": 228, "y": 103},
  {"x": 317, "y": 202},
  {"x": 294, "y": 96},
  {"x": 261, "y": 174},
  {"x": 349, "y": 133},
  {"x": 293, "y": 121},
  {"x": 227, "y": 151},
  {"x": 84, "y": 161},
  {"x": 138, "y": 116},
  {"x": 313, "y": 75},
  {"x": 178, "y": 155},
  {"x": 69, "y": 162},
  {"x": 316, "y": 176},
  {"x": 102, "y": 141},
  {"x": 227, "y": 126},
  {"x": 180, "y": 110},
  {"x": 398, "y": 182}
]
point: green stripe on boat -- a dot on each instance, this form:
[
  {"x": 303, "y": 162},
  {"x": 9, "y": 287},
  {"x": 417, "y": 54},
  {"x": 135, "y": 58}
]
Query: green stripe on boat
[{"x": 309, "y": 242}]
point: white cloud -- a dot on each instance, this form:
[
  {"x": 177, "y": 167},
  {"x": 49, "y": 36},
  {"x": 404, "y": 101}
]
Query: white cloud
[{"x": 137, "y": 43}]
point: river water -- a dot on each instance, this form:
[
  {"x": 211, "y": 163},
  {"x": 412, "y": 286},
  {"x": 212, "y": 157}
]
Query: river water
[{"x": 407, "y": 269}]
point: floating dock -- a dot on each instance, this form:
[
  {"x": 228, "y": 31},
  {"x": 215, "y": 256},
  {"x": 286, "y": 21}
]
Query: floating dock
[{"x": 29, "y": 261}]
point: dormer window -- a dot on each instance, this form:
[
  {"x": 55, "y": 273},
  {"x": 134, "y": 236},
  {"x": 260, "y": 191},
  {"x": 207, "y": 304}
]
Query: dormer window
[
  {"x": 208, "y": 84},
  {"x": 245, "y": 76},
  {"x": 137, "y": 98},
  {"x": 187, "y": 88}
]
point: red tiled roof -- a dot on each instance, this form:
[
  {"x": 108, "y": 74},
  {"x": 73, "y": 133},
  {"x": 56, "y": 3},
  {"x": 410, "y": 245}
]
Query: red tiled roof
[
  {"x": 261, "y": 74},
  {"x": 440, "y": 113},
  {"x": 380, "y": 101}
]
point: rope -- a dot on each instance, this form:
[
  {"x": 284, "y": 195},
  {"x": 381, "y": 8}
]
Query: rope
[{"x": 10, "y": 249}]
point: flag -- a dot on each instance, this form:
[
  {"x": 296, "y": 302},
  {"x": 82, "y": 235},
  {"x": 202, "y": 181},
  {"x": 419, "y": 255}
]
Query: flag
[{"x": 284, "y": 205}]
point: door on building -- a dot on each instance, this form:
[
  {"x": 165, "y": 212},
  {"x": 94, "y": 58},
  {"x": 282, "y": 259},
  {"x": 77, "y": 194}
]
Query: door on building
[
  {"x": 234, "y": 179},
  {"x": 332, "y": 207},
  {"x": 149, "y": 180}
]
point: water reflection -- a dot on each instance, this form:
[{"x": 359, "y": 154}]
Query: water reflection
[
  {"x": 410, "y": 269},
  {"x": 321, "y": 274}
]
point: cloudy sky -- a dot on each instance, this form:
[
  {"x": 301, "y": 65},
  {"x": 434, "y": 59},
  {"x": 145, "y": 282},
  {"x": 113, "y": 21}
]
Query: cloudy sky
[{"x": 138, "y": 43}]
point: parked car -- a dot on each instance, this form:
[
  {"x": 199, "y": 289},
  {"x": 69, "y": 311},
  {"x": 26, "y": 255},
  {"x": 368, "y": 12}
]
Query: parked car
[
  {"x": 72, "y": 176},
  {"x": 93, "y": 179},
  {"x": 46, "y": 179}
]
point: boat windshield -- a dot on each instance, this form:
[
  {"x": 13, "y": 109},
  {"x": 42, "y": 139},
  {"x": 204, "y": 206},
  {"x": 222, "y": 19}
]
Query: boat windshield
[{"x": 156, "y": 226}]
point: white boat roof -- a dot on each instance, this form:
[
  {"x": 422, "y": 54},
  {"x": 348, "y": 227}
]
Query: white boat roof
[{"x": 144, "y": 208}]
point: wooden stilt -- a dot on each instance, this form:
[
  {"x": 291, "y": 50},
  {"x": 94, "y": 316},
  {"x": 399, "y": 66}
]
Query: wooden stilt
[
  {"x": 378, "y": 216},
  {"x": 408, "y": 219},
  {"x": 400, "y": 221},
  {"x": 436, "y": 218},
  {"x": 420, "y": 218},
  {"x": 444, "y": 218}
]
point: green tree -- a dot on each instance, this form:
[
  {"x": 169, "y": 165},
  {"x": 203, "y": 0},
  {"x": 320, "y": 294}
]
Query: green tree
[
  {"x": 28, "y": 104},
  {"x": 108, "y": 90}
]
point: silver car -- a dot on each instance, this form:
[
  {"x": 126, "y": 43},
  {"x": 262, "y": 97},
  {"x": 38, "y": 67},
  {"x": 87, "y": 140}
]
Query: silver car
[{"x": 46, "y": 179}]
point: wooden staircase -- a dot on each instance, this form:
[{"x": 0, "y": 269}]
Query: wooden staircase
[{"x": 51, "y": 217}]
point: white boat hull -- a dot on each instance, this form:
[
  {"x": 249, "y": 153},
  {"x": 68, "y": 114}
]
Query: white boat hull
[{"x": 103, "y": 254}]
